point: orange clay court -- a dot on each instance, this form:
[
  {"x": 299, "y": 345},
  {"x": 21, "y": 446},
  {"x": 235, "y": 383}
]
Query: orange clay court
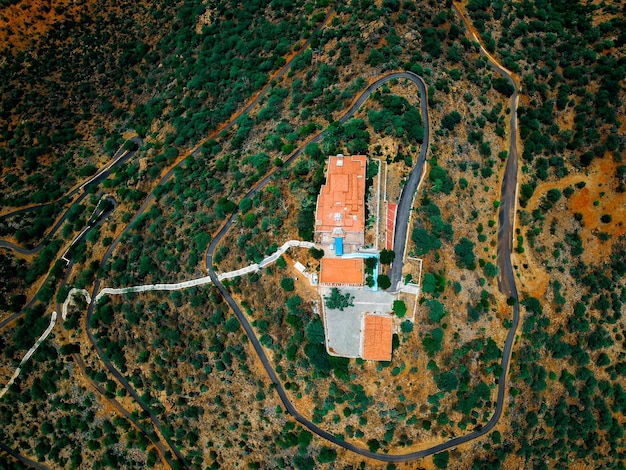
[
  {"x": 377, "y": 338},
  {"x": 341, "y": 199},
  {"x": 342, "y": 271}
]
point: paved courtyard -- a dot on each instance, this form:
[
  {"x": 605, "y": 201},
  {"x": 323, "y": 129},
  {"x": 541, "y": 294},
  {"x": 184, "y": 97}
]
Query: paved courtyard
[{"x": 344, "y": 329}]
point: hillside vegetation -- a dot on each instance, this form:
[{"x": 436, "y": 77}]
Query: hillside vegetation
[{"x": 80, "y": 79}]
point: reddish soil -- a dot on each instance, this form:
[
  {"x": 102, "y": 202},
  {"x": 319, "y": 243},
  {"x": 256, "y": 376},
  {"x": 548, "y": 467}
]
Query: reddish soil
[
  {"x": 26, "y": 22},
  {"x": 596, "y": 199}
]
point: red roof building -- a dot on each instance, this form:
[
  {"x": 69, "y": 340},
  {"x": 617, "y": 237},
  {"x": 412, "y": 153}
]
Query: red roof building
[
  {"x": 341, "y": 202},
  {"x": 377, "y": 338}
]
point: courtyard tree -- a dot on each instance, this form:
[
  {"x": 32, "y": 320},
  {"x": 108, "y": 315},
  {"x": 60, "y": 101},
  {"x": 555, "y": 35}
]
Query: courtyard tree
[
  {"x": 370, "y": 263},
  {"x": 338, "y": 301}
]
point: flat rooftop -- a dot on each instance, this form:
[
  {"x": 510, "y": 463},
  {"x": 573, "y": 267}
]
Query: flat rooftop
[
  {"x": 341, "y": 271},
  {"x": 341, "y": 202},
  {"x": 377, "y": 338}
]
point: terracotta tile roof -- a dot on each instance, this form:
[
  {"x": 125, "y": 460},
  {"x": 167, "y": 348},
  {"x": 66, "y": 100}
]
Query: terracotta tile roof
[
  {"x": 341, "y": 200},
  {"x": 391, "y": 220},
  {"x": 341, "y": 271},
  {"x": 377, "y": 336}
]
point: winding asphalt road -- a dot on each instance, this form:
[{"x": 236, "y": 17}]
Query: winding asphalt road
[
  {"x": 150, "y": 198},
  {"x": 120, "y": 157},
  {"x": 506, "y": 283},
  {"x": 506, "y": 279},
  {"x": 407, "y": 196},
  {"x": 99, "y": 219}
]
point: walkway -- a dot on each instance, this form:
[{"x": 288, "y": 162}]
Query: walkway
[
  {"x": 206, "y": 279},
  {"x": 148, "y": 288},
  {"x": 506, "y": 218},
  {"x": 30, "y": 352}
]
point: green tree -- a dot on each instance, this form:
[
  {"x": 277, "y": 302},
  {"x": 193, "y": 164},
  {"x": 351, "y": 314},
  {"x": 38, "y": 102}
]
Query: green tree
[
  {"x": 245, "y": 205},
  {"x": 424, "y": 241},
  {"x": 432, "y": 342},
  {"x": 399, "y": 307},
  {"x": 383, "y": 281},
  {"x": 316, "y": 253},
  {"x": 436, "y": 311},
  {"x": 313, "y": 151},
  {"x": 338, "y": 301},
  {"x": 130, "y": 145},
  {"x": 447, "y": 382},
  {"x": 449, "y": 121},
  {"x": 370, "y": 263},
  {"x": 387, "y": 256},
  {"x": 315, "y": 331},
  {"x": 281, "y": 263},
  {"x": 440, "y": 178},
  {"x": 232, "y": 325},
  {"x": 293, "y": 304},
  {"x": 441, "y": 459},
  {"x": 406, "y": 326},
  {"x": 303, "y": 462},
  {"x": 464, "y": 252},
  {"x": 429, "y": 283},
  {"x": 373, "y": 445},
  {"x": 287, "y": 284},
  {"x": 327, "y": 455},
  {"x": 554, "y": 195},
  {"x": 490, "y": 269},
  {"x": 502, "y": 85}
]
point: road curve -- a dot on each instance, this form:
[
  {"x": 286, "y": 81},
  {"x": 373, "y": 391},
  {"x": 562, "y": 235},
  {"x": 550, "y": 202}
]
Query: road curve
[
  {"x": 122, "y": 380},
  {"x": 100, "y": 389},
  {"x": 506, "y": 219},
  {"x": 120, "y": 157},
  {"x": 21, "y": 458},
  {"x": 259, "y": 349},
  {"x": 507, "y": 286},
  {"x": 407, "y": 197},
  {"x": 99, "y": 219},
  {"x": 146, "y": 203}
]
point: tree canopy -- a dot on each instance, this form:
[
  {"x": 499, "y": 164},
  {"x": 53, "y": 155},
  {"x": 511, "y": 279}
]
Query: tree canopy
[{"x": 338, "y": 301}]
